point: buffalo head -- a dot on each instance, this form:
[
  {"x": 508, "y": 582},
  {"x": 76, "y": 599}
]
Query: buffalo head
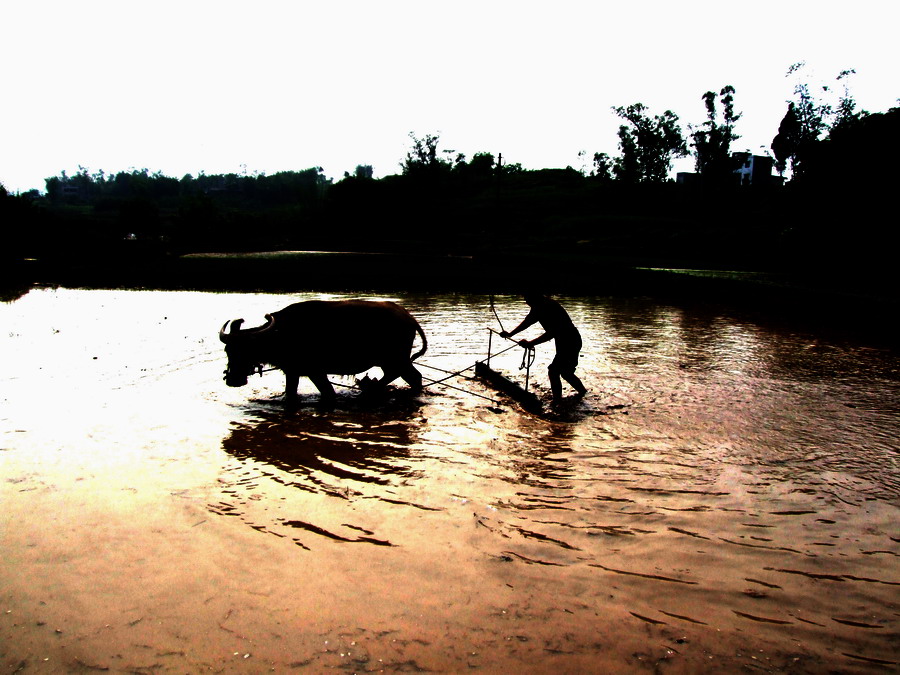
[{"x": 245, "y": 350}]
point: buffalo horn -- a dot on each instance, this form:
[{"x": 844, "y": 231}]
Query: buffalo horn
[
  {"x": 270, "y": 323},
  {"x": 235, "y": 327}
]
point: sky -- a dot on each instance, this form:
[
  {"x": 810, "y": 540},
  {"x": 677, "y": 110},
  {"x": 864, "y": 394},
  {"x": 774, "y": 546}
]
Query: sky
[{"x": 270, "y": 85}]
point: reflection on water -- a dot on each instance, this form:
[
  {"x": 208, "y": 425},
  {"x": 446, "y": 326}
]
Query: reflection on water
[
  {"x": 344, "y": 456},
  {"x": 724, "y": 481}
]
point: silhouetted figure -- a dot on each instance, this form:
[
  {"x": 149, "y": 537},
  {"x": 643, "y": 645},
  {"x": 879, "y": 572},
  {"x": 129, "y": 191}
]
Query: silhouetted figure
[{"x": 558, "y": 326}]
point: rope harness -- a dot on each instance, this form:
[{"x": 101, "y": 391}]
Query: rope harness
[{"x": 528, "y": 356}]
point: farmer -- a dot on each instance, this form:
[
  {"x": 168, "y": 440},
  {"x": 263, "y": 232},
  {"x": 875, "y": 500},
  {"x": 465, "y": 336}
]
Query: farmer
[{"x": 559, "y": 327}]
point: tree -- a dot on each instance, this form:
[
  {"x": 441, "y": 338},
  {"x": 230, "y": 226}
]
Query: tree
[
  {"x": 786, "y": 141},
  {"x": 648, "y": 144},
  {"x": 808, "y": 117},
  {"x": 482, "y": 163},
  {"x": 845, "y": 114},
  {"x": 422, "y": 157},
  {"x": 603, "y": 167},
  {"x": 712, "y": 139},
  {"x": 801, "y": 126},
  {"x": 477, "y": 172}
]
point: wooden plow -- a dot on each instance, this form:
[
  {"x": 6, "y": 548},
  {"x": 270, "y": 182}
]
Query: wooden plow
[
  {"x": 494, "y": 379},
  {"x": 527, "y": 399}
]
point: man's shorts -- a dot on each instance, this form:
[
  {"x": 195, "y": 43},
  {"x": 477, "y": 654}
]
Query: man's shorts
[{"x": 566, "y": 359}]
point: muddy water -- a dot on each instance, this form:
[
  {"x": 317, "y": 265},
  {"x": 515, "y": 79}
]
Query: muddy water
[{"x": 725, "y": 498}]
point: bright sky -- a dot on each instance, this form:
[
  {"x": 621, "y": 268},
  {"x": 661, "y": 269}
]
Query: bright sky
[{"x": 270, "y": 85}]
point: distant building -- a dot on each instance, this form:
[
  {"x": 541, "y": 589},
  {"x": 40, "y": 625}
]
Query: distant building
[{"x": 752, "y": 170}]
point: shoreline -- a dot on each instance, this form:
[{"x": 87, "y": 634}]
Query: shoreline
[{"x": 844, "y": 299}]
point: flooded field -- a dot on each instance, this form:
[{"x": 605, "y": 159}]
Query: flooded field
[{"x": 725, "y": 499}]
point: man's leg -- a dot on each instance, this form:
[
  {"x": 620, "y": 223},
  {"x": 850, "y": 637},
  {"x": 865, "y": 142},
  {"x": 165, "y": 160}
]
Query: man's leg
[
  {"x": 555, "y": 384},
  {"x": 573, "y": 379},
  {"x": 564, "y": 365}
]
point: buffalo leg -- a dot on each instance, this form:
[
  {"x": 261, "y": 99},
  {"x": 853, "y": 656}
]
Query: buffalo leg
[
  {"x": 413, "y": 377},
  {"x": 290, "y": 386},
  {"x": 323, "y": 385},
  {"x": 391, "y": 373}
]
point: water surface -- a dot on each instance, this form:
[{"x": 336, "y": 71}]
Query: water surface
[{"x": 726, "y": 497}]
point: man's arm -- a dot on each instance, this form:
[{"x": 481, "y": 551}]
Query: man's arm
[
  {"x": 529, "y": 320},
  {"x": 546, "y": 337}
]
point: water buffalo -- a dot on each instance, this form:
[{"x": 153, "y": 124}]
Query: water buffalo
[{"x": 318, "y": 338}]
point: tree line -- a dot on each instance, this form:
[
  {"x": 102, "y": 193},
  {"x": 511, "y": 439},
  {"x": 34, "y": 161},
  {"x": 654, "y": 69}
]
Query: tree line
[{"x": 836, "y": 158}]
